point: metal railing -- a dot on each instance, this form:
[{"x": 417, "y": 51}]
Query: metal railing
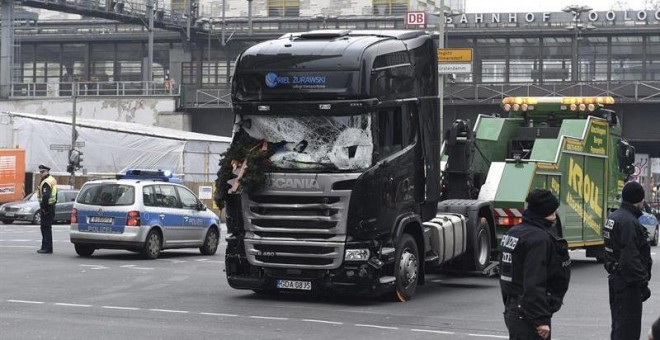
[
  {"x": 95, "y": 89},
  {"x": 212, "y": 98}
]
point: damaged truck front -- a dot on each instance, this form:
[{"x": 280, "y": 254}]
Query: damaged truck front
[{"x": 333, "y": 176}]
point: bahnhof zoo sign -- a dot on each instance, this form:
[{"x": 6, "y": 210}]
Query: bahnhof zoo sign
[{"x": 608, "y": 18}]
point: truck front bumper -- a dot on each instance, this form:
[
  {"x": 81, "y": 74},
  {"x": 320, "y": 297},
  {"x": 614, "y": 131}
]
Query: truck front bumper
[{"x": 360, "y": 278}]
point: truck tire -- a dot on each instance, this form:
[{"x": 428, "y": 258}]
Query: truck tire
[
  {"x": 481, "y": 252},
  {"x": 406, "y": 268}
]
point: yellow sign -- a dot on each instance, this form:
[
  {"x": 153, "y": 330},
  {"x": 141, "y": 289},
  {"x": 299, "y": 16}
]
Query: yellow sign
[{"x": 454, "y": 55}]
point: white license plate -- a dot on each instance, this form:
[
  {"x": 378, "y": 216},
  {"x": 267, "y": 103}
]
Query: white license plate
[
  {"x": 291, "y": 284},
  {"x": 10, "y": 214},
  {"x": 100, "y": 219}
]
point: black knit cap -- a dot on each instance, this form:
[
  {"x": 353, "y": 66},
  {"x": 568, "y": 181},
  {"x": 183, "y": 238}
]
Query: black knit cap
[
  {"x": 542, "y": 202},
  {"x": 632, "y": 192}
]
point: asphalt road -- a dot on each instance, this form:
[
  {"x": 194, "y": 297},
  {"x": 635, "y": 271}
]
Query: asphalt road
[{"x": 184, "y": 295}]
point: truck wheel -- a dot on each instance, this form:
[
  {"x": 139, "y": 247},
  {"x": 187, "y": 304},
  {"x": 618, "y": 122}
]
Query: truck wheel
[
  {"x": 210, "y": 242},
  {"x": 406, "y": 268},
  {"x": 84, "y": 250},
  {"x": 152, "y": 245},
  {"x": 481, "y": 251}
]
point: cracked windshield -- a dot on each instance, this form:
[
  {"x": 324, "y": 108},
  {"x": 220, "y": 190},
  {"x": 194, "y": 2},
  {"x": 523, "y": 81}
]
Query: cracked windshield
[{"x": 315, "y": 142}]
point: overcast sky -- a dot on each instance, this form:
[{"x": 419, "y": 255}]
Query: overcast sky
[{"x": 505, "y": 6}]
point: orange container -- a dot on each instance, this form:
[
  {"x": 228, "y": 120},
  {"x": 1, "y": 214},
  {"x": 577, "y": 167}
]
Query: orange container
[{"x": 12, "y": 174}]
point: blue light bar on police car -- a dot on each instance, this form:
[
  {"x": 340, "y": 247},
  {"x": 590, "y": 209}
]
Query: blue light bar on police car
[{"x": 155, "y": 175}]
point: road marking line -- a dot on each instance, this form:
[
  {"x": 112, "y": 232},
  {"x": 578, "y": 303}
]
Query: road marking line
[
  {"x": 323, "y": 321},
  {"x": 218, "y": 314},
  {"x": 209, "y": 261},
  {"x": 489, "y": 336},
  {"x": 169, "y": 311},
  {"x": 431, "y": 331},
  {"x": 375, "y": 326},
  {"x": 26, "y": 301},
  {"x": 16, "y": 246},
  {"x": 93, "y": 266},
  {"x": 267, "y": 317},
  {"x": 122, "y": 308},
  {"x": 71, "y": 305},
  {"x": 132, "y": 266}
]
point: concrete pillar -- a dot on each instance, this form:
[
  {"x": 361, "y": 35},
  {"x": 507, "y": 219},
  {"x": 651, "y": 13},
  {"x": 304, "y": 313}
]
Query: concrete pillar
[{"x": 6, "y": 47}]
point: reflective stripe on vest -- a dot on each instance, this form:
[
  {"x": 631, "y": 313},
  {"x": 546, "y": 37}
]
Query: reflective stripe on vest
[{"x": 53, "y": 189}]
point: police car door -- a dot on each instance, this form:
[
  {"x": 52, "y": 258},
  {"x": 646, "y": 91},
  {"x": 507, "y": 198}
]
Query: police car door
[
  {"x": 169, "y": 213},
  {"x": 194, "y": 225}
]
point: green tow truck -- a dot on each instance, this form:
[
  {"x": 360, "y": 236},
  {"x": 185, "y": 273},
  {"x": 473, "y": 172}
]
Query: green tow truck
[{"x": 569, "y": 145}]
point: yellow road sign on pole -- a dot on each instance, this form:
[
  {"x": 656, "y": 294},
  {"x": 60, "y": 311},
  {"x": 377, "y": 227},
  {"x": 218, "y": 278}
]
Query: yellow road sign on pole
[{"x": 454, "y": 55}]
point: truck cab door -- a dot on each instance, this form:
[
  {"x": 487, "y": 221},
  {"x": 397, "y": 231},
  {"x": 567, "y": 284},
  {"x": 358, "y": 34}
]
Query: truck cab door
[{"x": 399, "y": 170}]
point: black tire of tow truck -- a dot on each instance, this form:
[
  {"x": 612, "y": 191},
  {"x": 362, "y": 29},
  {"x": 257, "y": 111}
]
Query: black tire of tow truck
[
  {"x": 84, "y": 250},
  {"x": 480, "y": 257},
  {"x": 406, "y": 268}
]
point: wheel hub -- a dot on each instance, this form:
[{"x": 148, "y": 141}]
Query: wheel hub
[{"x": 408, "y": 268}]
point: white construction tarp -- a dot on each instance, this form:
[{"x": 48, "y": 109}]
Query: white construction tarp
[{"x": 113, "y": 147}]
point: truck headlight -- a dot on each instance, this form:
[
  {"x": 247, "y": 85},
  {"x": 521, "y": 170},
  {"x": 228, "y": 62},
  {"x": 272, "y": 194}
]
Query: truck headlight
[{"x": 356, "y": 254}]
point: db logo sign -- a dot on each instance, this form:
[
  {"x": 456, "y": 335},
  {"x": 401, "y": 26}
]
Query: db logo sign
[{"x": 415, "y": 18}]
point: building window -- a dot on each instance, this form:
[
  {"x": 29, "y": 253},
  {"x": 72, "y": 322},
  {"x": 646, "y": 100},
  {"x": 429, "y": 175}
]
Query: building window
[
  {"x": 390, "y": 7},
  {"x": 626, "y": 59},
  {"x": 283, "y": 8}
]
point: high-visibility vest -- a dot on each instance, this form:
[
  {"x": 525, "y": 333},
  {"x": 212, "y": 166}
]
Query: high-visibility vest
[{"x": 53, "y": 189}]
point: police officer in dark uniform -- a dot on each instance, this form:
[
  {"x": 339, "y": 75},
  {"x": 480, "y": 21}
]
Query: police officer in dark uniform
[
  {"x": 534, "y": 269},
  {"x": 627, "y": 258},
  {"x": 47, "y": 194}
]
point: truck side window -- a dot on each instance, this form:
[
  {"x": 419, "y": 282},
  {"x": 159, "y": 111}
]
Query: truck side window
[{"x": 390, "y": 131}]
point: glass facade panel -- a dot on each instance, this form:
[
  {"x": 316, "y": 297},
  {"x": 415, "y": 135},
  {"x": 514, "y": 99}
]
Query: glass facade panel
[
  {"x": 73, "y": 61},
  {"x": 592, "y": 59},
  {"x": 101, "y": 63},
  {"x": 653, "y": 58},
  {"x": 626, "y": 58},
  {"x": 491, "y": 59},
  {"x": 557, "y": 57},
  {"x": 524, "y": 60}
]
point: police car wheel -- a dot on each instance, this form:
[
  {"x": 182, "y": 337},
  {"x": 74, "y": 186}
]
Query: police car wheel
[
  {"x": 152, "y": 245},
  {"x": 406, "y": 268},
  {"x": 84, "y": 250},
  {"x": 7, "y": 221},
  {"x": 210, "y": 242}
]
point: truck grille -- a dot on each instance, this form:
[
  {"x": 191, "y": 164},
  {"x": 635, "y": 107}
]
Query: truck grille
[{"x": 303, "y": 230}]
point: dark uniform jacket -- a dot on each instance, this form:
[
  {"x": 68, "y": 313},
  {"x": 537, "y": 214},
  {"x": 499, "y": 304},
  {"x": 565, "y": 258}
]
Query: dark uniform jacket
[
  {"x": 627, "y": 253},
  {"x": 534, "y": 268}
]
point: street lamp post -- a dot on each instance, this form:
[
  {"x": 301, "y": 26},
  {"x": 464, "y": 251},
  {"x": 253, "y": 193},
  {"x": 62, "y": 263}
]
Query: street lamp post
[{"x": 577, "y": 26}]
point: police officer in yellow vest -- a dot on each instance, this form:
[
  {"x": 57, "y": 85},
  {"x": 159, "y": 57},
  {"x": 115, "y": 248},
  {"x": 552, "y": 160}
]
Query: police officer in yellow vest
[{"x": 47, "y": 195}]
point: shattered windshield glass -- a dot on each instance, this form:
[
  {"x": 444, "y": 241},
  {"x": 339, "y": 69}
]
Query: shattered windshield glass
[{"x": 315, "y": 142}]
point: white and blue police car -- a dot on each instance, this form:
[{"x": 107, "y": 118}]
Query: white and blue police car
[{"x": 145, "y": 211}]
